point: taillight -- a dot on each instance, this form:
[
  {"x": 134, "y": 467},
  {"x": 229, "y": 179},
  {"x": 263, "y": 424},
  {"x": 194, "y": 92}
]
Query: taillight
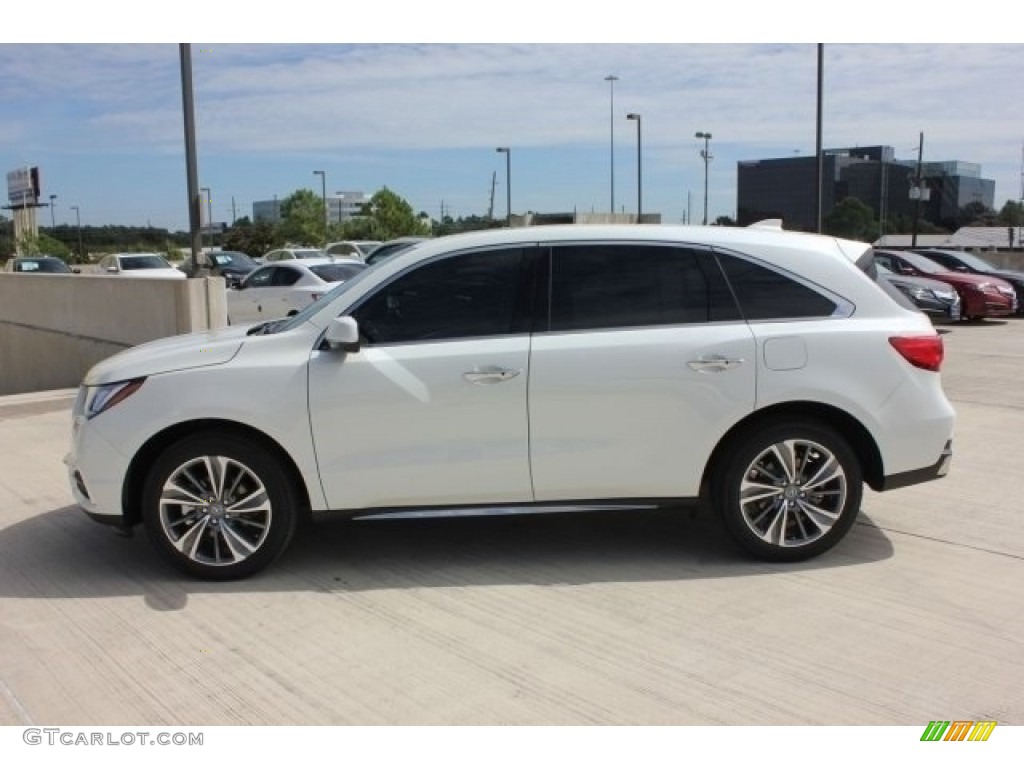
[{"x": 920, "y": 351}]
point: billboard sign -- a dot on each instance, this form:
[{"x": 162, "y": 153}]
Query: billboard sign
[{"x": 23, "y": 185}]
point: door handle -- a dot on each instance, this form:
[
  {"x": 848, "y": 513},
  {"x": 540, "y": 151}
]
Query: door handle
[
  {"x": 715, "y": 363},
  {"x": 490, "y": 374}
]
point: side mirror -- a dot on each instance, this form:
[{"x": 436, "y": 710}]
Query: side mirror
[{"x": 343, "y": 334}]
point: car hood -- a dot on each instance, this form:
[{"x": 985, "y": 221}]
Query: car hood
[
  {"x": 962, "y": 278},
  {"x": 177, "y": 353}
]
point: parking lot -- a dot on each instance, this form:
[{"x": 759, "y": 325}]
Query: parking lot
[{"x": 610, "y": 618}]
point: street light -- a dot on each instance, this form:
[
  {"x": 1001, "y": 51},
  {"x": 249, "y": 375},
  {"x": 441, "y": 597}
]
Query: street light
[
  {"x": 706, "y": 154},
  {"x": 78, "y": 220},
  {"x": 53, "y": 220},
  {"x": 639, "y": 168},
  {"x": 508, "y": 183},
  {"x": 209, "y": 213},
  {"x": 323, "y": 187},
  {"x": 611, "y": 122}
]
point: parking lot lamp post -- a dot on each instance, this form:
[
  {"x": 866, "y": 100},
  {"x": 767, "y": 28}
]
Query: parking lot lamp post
[
  {"x": 639, "y": 168},
  {"x": 611, "y": 121},
  {"x": 78, "y": 221},
  {"x": 706, "y": 154},
  {"x": 53, "y": 219},
  {"x": 508, "y": 183},
  {"x": 209, "y": 213},
  {"x": 323, "y": 197}
]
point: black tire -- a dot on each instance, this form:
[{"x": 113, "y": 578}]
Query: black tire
[
  {"x": 230, "y": 512},
  {"x": 785, "y": 515}
]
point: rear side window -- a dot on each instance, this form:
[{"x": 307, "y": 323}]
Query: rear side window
[
  {"x": 629, "y": 285},
  {"x": 764, "y": 294}
]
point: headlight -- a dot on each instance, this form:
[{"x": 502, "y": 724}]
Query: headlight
[
  {"x": 917, "y": 292},
  {"x": 946, "y": 294},
  {"x": 106, "y": 396}
]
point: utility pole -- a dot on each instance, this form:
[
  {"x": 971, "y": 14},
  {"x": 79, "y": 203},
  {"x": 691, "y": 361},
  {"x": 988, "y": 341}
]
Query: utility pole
[
  {"x": 820, "y": 167},
  {"x": 191, "y": 166},
  {"x": 919, "y": 187},
  {"x": 494, "y": 181},
  {"x": 234, "y": 211}
]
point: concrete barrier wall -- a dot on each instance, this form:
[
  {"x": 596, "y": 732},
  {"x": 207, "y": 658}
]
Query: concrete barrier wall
[{"x": 53, "y": 328}]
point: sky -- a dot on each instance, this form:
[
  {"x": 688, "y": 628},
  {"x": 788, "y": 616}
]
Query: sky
[{"x": 423, "y": 113}]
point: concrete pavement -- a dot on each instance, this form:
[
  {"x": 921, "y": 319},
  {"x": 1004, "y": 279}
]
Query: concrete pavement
[{"x": 625, "y": 618}]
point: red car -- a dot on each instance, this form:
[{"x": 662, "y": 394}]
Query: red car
[{"x": 980, "y": 295}]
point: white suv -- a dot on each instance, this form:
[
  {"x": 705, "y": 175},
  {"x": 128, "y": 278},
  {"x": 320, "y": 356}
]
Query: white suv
[{"x": 760, "y": 371}]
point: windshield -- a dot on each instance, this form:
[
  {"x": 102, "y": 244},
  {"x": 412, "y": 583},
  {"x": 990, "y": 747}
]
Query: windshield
[
  {"x": 316, "y": 306},
  {"x": 232, "y": 259},
  {"x": 41, "y": 265},
  {"x": 144, "y": 261},
  {"x": 334, "y": 273}
]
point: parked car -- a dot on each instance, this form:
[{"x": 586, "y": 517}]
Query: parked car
[
  {"x": 388, "y": 249},
  {"x": 960, "y": 261},
  {"x": 36, "y": 265},
  {"x": 980, "y": 296},
  {"x": 528, "y": 368},
  {"x": 282, "y": 289},
  {"x": 231, "y": 265},
  {"x": 355, "y": 249},
  {"x": 292, "y": 254},
  {"x": 933, "y": 297},
  {"x": 139, "y": 265}
]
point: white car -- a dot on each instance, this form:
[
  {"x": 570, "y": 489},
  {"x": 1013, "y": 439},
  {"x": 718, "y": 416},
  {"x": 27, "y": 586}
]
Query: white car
[
  {"x": 139, "y": 265},
  {"x": 292, "y": 254},
  {"x": 284, "y": 288},
  {"x": 355, "y": 249},
  {"x": 762, "y": 372}
]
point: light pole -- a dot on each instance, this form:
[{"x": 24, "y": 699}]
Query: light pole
[
  {"x": 706, "y": 154},
  {"x": 611, "y": 122},
  {"x": 209, "y": 214},
  {"x": 639, "y": 168},
  {"x": 508, "y": 183},
  {"x": 53, "y": 220},
  {"x": 78, "y": 220},
  {"x": 323, "y": 195}
]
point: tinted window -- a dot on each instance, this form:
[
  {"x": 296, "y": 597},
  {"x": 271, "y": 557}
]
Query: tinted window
[
  {"x": 619, "y": 286},
  {"x": 285, "y": 276},
  {"x": 471, "y": 294},
  {"x": 765, "y": 294},
  {"x": 148, "y": 261},
  {"x": 260, "y": 278}
]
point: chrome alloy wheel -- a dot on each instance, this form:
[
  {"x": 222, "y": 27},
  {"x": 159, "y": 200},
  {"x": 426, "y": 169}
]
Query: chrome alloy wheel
[
  {"x": 792, "y": 493},
  {"x": 215, "y": 511}
]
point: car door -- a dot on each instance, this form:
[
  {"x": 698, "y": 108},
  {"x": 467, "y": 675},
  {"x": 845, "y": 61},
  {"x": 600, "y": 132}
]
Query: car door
[
  {"x": 245, "y": 304},
  {"x": 644, "y": 365},
  {"x": 432, "y": 410}
]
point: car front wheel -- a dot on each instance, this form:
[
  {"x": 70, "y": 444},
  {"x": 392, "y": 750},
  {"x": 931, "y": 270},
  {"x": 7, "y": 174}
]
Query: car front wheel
[
  {"x": 788, "y": 491},
  {"x": 219, "y": 507}
]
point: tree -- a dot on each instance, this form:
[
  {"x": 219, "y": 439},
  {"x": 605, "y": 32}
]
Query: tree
[
  {"x": 43, "y": 245},
  {"x": 852, "y": 219},
  {"x": 252, "y": 239},
  {"x": 1012, "y": 214},
  {"x": 302, "y": 218},
  {"x": 385, "y": 217}
]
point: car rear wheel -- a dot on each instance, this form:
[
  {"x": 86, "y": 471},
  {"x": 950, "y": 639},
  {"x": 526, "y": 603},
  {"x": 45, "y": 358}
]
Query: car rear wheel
[
  {"x": 788, "y": 491},
  {"x": 219, "y": 507}
]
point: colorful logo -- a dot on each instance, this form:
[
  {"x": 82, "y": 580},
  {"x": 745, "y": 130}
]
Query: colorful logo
[{"x": 958, "y": 730}]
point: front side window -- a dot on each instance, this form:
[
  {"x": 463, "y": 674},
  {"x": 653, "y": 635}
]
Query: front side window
[
  {"x": 260, "y": 278},
  {"x": 463, "y": 296},
  {"x": 628, "y": 285},
  {"x": 285, "y": 276}
]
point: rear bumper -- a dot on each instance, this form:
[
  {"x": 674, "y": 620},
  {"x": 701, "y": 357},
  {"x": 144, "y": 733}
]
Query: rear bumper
[{"x": 937, "y": 470}]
